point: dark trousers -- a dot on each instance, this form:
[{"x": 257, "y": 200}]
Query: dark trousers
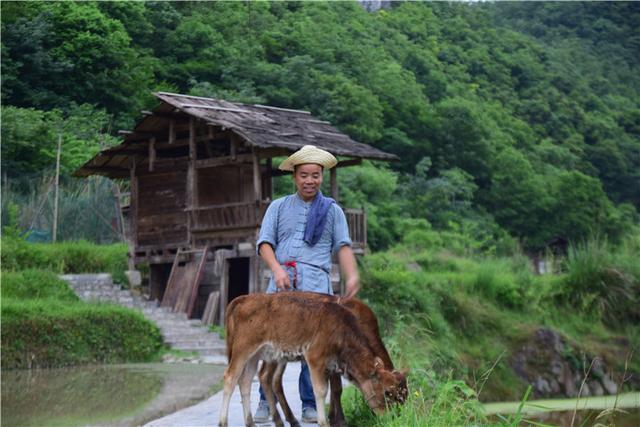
[{"x": 304, "y": 387}]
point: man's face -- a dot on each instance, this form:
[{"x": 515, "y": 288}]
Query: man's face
[{"x": 308, "y": 179}]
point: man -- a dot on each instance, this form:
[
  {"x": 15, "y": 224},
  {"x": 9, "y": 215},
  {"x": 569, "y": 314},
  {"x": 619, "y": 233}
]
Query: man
[{"x": 299, "y": 234}]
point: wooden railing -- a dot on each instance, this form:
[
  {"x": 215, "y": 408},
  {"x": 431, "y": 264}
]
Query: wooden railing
[
  {"x": 227, "y": 216},
  {"x": 247, "y": 215},
  {"x": 357, "y": 221}
]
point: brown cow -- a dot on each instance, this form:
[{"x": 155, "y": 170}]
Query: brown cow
[
  {"x": 271, "y": 372},
  {"x": 287, "y": 325}
]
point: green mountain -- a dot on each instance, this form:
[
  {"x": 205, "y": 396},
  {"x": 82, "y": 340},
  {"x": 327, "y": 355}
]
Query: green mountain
[{"x": 509, "y": 118}]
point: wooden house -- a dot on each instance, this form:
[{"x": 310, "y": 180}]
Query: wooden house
[{"x": 200, "y": 174}]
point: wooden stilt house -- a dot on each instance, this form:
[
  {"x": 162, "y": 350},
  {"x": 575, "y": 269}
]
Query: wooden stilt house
[{"x": 200, "y": 174}]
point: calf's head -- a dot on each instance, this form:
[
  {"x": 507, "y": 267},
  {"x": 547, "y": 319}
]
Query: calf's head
[{"x": 383, "y": 388}]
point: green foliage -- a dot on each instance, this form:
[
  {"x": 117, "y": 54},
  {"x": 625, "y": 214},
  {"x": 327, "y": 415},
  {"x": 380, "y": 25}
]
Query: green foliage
[
  {"x": 36, "y": 285},
  {"x": 432, "y": 401},
  {"x": 603, "y": 281},
  {"x": 45, "y": 325},
  {"x": 30, "y": 138},
  {"x": 445, "y": 305},
  {"x": 65, "y": 257},
  {"x": 528, "y": 113},
  {"x": 50, "y": 333}
]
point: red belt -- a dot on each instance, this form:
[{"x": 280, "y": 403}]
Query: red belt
[{"x": 292, "y": 264}]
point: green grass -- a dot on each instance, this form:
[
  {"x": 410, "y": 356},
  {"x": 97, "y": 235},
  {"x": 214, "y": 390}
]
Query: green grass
[
  {"x": 49, "y": 333},
  {"x": 44, "y": 324},
  {"x": 65, "y": 257},
  {"x": 35, "y": 284},
  {"x": 456, "y": 316}
]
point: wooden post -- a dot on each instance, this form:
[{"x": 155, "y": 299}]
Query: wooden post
[
  {"x": 192, "y": 184},
  {"x": 269, "y": 179},
  {"x": 257, "y": 191},
  {"x": 57, "y": 186},
  {"x": 172, "y": 131},
  {"x": 133, "y": 206},
  {"x": 233, "y": 149},
  {"x": 117, "y": 195},
  {"x": 333, "y": 175},
  {"x": 152, "y": 152}
]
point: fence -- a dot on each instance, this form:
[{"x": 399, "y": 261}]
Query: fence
[{"x": 87, "y": 208}]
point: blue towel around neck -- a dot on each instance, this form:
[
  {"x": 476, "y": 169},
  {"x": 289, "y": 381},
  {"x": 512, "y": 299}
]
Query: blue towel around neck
[{"x": 317, "y": 218}]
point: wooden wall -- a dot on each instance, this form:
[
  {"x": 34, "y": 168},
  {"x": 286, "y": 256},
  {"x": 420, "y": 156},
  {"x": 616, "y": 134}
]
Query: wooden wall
[{"x": 161, "y": 219}]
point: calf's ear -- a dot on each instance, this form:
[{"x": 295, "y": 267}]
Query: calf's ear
[{"x": 402, "y": 372}]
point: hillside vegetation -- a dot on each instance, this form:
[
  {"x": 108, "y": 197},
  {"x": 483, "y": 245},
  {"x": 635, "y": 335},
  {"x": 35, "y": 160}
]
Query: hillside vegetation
[
  {"x": 44, "y": 324},
  {"x": 515, "y": 119},
  {"x": 517, "y": 126}
]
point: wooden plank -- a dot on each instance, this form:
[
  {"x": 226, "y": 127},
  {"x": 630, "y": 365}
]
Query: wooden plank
[
  {"x": 333, "y": 176},
  {"x": 211, "y": 107},
  {"x": 172, "y": 131},
  {"x": 171, "y": 291},
  {"x": 233, "y": 149},
  {"x": 191, "y": 174},
  {"x": 222, "y": 161},
  {"x": 257, "y": 187},
  {"x": 152, "y": 153},
  {"x": 196, "y": 283},
  {"x": 133, "y": 207},
  {"x": 210, "y": 314},
  {"x": 350, "y": 162},
  {"x": 190, "y": 280}
]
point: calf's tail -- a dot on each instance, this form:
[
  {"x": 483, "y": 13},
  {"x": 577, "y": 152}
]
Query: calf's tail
[{"x": 229, "y": 326}]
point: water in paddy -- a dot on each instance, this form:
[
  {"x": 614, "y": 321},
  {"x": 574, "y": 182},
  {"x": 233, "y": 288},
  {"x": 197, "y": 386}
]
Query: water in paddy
[
  {"x": 621, "y": 411},
  {"x": 106, "y": 395}
]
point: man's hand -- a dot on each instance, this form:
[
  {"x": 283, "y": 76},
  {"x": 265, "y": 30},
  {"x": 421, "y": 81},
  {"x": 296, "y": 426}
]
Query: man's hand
[
  {"x": 352, "y": 288},
  {"x": 349, "y": 268},
  {"x": 281, "y": 278}
]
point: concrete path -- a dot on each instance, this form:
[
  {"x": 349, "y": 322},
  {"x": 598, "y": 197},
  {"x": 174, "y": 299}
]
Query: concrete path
[{"x": 206, "y": 414}]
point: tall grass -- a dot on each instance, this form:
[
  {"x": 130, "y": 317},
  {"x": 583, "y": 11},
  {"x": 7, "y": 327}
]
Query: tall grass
[{"x": 604, "y": 281}]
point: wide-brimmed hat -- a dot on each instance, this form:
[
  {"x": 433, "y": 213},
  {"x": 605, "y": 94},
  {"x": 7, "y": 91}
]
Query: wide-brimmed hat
[{"x": 309, "y": 154}]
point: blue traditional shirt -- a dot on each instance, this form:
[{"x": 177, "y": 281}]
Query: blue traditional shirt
[{"x": 283, "y": 228}]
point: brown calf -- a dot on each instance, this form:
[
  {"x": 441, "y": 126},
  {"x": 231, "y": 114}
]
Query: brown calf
[
  {"x": 271, "y": 372},
  {"x": 287, "y": 325}
]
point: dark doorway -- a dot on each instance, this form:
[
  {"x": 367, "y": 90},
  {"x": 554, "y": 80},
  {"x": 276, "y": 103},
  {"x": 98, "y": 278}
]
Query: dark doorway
[
  {"x": 238, "y": 283},
  {"x": 158, "y": 278}
]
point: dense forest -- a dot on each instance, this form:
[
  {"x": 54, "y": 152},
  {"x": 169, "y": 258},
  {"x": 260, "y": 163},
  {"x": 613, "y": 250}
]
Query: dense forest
[{"x": 512, "y": 121}]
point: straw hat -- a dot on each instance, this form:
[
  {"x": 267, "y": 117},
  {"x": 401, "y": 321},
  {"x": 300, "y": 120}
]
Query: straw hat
[{"x": 309, "y": 154}]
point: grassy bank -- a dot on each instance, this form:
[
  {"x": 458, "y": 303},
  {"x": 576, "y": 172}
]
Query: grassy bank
[
  {"x": 456, "y": 316},
  {"x": 65, "y": 257},
  {"x": 44, "y": 324}
]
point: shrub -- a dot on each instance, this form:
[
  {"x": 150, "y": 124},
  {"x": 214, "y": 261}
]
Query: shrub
[
  {"x": 35, "y": 284},
  {"x": 49, "y": 333},
  {"x": 603, "y": 282}
]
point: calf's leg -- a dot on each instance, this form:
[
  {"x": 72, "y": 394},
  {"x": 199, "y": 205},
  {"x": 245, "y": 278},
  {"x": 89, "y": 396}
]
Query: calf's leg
[
  {"x": 279, "y": 391},
  {"x": 319, "y": 383},
  {"x": 246, "y": 378},
  {"x": 266, "y": 381},
  {"x": 336, "y": 414},
  {"x": 231, "y": 376}
]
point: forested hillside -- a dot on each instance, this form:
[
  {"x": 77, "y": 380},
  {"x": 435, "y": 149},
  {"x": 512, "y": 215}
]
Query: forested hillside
[{"x": 518, "y": 120}]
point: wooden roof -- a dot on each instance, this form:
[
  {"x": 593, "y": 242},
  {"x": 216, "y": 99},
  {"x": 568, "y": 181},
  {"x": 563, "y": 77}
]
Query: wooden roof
[{"x": 259, "y": 126}]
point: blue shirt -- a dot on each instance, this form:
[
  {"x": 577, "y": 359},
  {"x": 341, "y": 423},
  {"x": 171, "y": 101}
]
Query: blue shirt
[{"x": 283, "y": 228}]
